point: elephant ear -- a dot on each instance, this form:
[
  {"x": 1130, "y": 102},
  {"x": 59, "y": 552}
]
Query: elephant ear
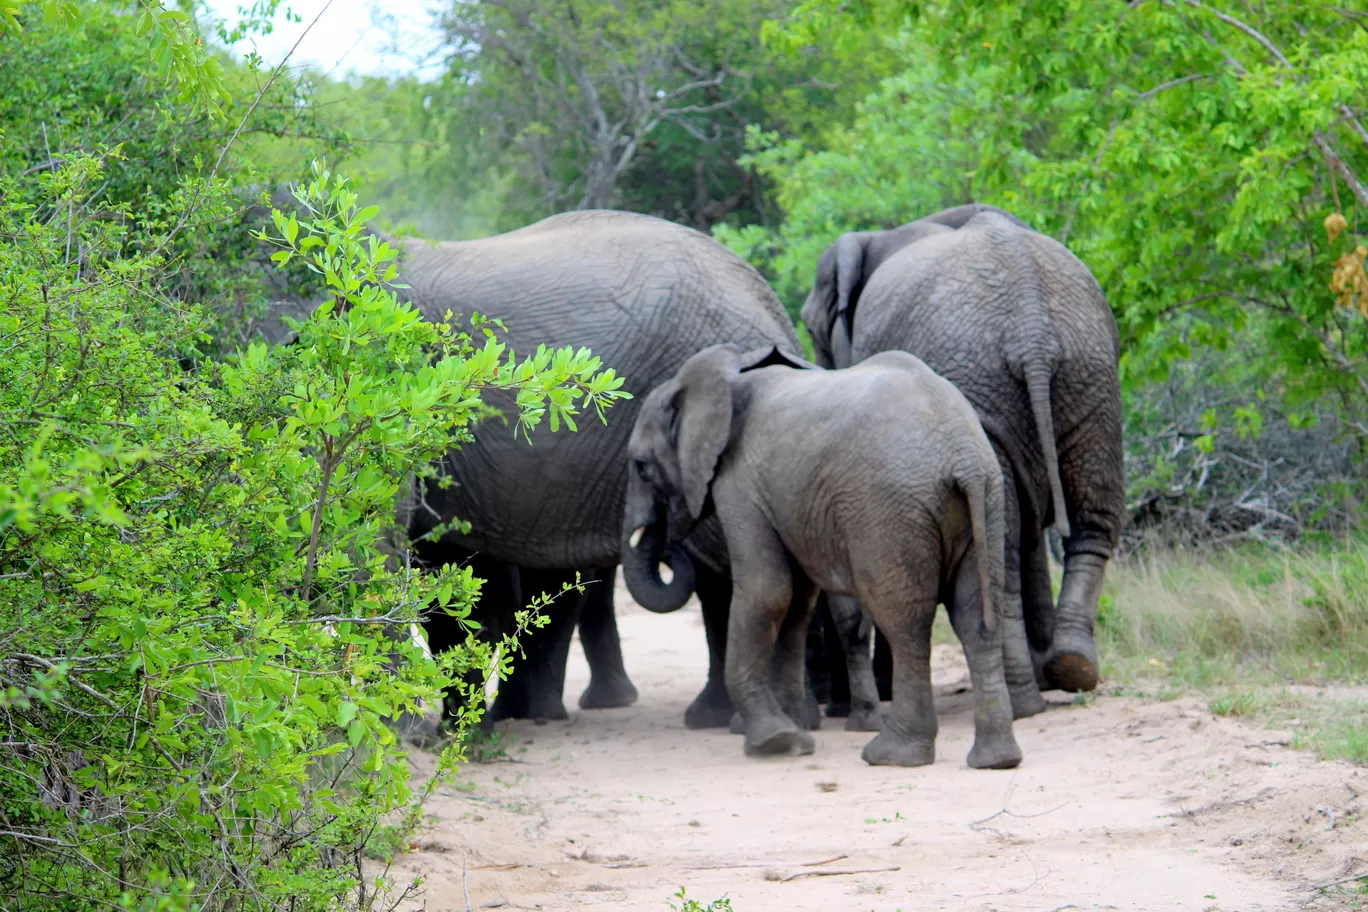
[
  {"x": 820, "y": 309},
  {"x": 773, "y": 356},
  {"x": 702, "y": 419},
  {"x": 850, "y": 277}
]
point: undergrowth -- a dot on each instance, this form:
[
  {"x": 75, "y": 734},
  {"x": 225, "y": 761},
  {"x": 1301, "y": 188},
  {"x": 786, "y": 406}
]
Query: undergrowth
[
  {"x": 687, "y": 904},
  {"x": 1278, "y": 635}
]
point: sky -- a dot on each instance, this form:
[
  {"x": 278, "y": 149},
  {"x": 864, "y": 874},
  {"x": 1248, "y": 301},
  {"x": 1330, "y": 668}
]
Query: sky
[{"x": 365, "y": 37}]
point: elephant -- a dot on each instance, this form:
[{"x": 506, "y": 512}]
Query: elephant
[
  {"x": 873, "y": 483},
  {"x": 643, "y": 295},
  {"x": 1022, "y": 328}
]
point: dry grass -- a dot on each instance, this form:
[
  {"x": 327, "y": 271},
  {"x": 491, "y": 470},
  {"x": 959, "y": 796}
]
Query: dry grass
[
  {"x": 1250, "y": 629},
  {"x": 1255, "y": 616}
]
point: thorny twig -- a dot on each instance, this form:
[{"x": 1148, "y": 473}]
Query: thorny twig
[
  {"x": 1006, "y": 799},
  {"x": 838, "y": 873}
]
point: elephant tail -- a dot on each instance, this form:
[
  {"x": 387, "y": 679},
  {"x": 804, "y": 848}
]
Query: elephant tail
[
  {"x": 1038, "y": 387},
  {"x": 984, "y": 493}
]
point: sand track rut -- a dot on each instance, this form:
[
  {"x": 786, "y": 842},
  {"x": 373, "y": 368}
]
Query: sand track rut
[{"x": 1120, "y": 804}]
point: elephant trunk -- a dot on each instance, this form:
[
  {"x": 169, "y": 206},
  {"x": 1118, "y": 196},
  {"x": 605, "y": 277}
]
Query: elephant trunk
[{"x": 643, "y": 550}]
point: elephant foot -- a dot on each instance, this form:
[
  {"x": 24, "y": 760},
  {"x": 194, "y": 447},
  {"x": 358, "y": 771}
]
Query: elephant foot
[
  {"x": 998, "y": 752},
  {"x": 888, "y": 749},
  {"x": 837, "y": 710},
  {"x": 710, "y": 709},
  {"x": 546, "y": 708},
  {"x": 422, "y": 731},
  {"x": 1027, "y": 701},
  {"x": 811, "y": 716},
  {"x": 777, "y": 738},
  {"x": 864, "y": 719},
  {"x": 737, "y": 725},
  {"x": 1072, "y": 663},
  {"x": 453, "y": 707},
  {"x": 1038, "y": 667},
  {"x": 608, "y": 693}
]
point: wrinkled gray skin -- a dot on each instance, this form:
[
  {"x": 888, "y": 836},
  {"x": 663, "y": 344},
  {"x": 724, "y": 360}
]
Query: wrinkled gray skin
[
  {"x": 874, "y": 483},
  {"x": 643, "y": 294},
  {"x": 1020, "y": 326}
]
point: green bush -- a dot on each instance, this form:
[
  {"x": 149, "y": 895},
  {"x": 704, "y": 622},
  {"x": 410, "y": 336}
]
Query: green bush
[
  {"x": 204, "y": 628},
  {"x": 90, "y": 86}
]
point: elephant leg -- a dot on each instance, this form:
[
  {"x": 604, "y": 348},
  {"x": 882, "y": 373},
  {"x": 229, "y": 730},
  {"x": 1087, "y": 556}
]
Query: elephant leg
[
  {"x": 762, "y": 595},
  {"x": 807, "y": 707},
  {"x": 609, "y": 685},
  {"x": 812, "y": 710},
  {"x": 492, "y": 612},
  {"x": 1038, "y": 604},
  {"x": 995, "y": 746},
  {"x": 883, "y": 666},
  {"x": 1071, "y": 661},
  {"x": 854, "y": 627},
  {"x": 908, "y": 737},
  {"x": 819, "y": 638},
  {"x": 1092, "y": 470},
  {"x": 534, "y": 689},
  {"x": 792, "y": 686},
  {"x": 1016, "y": 651},
  {"x": 713, "y": 707},
  {"x": 832, "y": 662}
]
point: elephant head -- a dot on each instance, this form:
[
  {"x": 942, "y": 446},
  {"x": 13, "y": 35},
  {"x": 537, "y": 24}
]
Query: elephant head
[
  {"x": 680, "y": 434},
  {"x": 846, "y": 266}
]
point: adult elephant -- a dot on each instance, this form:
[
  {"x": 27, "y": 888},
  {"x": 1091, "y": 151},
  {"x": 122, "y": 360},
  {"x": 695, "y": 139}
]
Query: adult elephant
[
  {"x": 643, "y": 294},
  {"x": 1020, "y": 325}
]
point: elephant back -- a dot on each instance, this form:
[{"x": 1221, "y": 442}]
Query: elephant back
[
  {"x": 643, "y": 295},
  {"x": 986, "y": 304}
]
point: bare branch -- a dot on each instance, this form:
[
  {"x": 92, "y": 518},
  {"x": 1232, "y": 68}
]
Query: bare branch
[
  {"x": 1319, "y": 139},
  {"x": 1354, "y": 122},
  {"x": 83, "y": 688},
  {"x": 1335, "y": 352},
  {"x": 1247, "y": 29},
  {"x": 1194, "y": 77},
  {"x": 1356, "y": 186}
]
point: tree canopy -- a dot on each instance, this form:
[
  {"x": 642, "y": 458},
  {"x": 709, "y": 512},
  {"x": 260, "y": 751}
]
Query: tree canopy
[
  {"x": 1206, "y": 161},
  {"x": 642, "y": 106}
]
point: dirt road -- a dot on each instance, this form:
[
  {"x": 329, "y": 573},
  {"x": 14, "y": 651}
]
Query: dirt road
[{"x": 1120, "y": 804}]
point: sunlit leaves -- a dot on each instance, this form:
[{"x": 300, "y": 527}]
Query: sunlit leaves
[
  {"x": 200, "y": 575},
  {"x": 172, "y": 41}
]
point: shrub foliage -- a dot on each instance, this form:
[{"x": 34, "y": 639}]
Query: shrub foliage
[{"x": 202, "y": 631}]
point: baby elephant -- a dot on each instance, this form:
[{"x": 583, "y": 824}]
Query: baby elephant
[{"x": 875, "y": 482}]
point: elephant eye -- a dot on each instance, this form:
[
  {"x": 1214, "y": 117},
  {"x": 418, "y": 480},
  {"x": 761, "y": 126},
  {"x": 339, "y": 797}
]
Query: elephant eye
[{"x": 643, "y": 470}]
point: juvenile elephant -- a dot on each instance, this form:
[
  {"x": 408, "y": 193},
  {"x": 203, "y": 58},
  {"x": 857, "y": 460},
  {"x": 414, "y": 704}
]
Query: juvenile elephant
[
  {"x": 1020, "y": 326},
  {"x": 643, "y": 294},
  {"x": 874, "y": 483}
]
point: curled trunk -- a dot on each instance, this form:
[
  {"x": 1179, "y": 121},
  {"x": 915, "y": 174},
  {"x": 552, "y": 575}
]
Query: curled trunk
[{"x": 641, "y": 560}]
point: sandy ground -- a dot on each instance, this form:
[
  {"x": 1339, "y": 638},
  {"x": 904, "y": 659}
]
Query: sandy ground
[{"x": 1119, "y": 804}]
